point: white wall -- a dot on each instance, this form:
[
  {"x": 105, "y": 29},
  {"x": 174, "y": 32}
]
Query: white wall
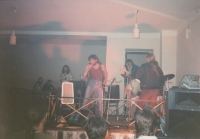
[
  {"x": 188, "y": 50},
  {"x": 168, "y": 53}
]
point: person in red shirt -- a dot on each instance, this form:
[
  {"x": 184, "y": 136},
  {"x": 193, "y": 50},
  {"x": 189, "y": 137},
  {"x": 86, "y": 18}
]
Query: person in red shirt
[{"x": 96, "y": 74}]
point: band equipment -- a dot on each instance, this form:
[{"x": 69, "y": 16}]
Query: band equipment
[
  {"x": 79, "y": 91},
  {"x": 169, "y": 77},
  {"x": 183, "y": 112},
  {"x": 75, "y": 115},
  {"x": 190, "y": 82},
  {"x": 108, "y": 102},
  {"x": 124, "y": 75},
  {"x": 67, "y": 91},
  {"x": 134, "y": 87},
  {"x": 114, "y": 92}
]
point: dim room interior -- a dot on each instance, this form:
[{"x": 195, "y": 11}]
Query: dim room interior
[{"x": 50, "y": 34}]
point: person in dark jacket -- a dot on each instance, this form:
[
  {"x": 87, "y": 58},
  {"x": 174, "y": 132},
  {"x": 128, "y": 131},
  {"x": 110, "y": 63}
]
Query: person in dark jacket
[
  {"x": 131, "y": 70},
  {"x": 151, "y": 80}
]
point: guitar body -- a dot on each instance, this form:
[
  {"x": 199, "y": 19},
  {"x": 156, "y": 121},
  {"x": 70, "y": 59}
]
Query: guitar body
[
  {"x": 133, "y": 87},
  {"x": 135, "y": 84}
]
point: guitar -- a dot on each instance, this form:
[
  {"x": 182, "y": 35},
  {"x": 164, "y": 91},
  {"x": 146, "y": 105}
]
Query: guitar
[
  {"x": 127, "y": 74},
  {"x": 134, "y": 84}
]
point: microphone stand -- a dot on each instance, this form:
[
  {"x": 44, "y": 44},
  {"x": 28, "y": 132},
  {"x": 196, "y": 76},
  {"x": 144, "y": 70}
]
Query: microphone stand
[
  {"x": 129, "y": 99},
  {"x": 108, "y": 102}
]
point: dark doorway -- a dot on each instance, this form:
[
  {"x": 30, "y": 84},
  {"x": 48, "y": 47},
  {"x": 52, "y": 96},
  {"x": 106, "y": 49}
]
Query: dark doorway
[{"x": 138, "y": 56}]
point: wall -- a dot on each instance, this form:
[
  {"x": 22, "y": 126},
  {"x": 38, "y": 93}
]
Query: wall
[
  {"x": 168, "y": 54},
  {"x": 37, "y": 56},
  {"x": 188, "y": 50}
]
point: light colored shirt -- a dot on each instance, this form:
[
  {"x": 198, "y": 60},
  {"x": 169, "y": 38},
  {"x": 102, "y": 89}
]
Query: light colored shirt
[
  {"x": 66, "y": 77},
  {"x": 147, "y": 137}
]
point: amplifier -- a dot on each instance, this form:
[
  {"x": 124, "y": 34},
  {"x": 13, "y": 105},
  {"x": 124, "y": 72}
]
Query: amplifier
[
  {"x": 114, "y": 92},
  {"x": 183, "y": 113}
]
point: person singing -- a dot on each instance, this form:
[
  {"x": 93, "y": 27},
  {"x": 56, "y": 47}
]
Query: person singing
[{"x": 96, "y": 74}]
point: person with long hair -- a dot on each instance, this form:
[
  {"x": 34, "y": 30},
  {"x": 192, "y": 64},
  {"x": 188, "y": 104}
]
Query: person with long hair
[
  {"x": 37, "y": 88},
  {"x": 66, "y": 74},
  {"x": 96, "y": 74},
  {"x": 130, "y": 73},
  {"x": 131, "y": 69},
  {"x": 151, "y": 81}
]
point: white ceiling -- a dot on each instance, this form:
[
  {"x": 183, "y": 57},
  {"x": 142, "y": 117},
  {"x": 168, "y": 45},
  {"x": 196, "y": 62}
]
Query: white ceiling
[{"x": 97, "y": 15}]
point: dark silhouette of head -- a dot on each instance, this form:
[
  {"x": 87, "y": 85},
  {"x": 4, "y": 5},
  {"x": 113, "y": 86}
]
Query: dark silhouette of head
[
  {"x": 147, "y": 122},
  {"x": 129, "y": 63},
  {"x": 150, "y": 57},
  {"x": 96, "y": 127},
  {"x": 36, "y": 114},
  {"x": 40, "y": 80},
  {"x": 49, "y": 82}
]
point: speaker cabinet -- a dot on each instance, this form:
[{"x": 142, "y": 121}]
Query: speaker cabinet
[
  {"x": 67, "y": 91},
  {"x": 183, "y": 113},
  {"x": 114, "y": 92},
  {"x": 79, "y": 90}
]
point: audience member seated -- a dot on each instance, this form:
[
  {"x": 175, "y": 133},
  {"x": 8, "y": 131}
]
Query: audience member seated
[
  {"x": 37, "y": 111},
  {"x": 147, "y": 123},
  {"x": 66, "y": 74},
  {"x": 48, "y": 87},
  {"x": 37, "y": 88},
  {"x": 96, "y": 127}
]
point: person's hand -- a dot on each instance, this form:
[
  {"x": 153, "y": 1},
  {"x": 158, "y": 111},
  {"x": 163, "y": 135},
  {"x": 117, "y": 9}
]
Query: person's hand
[
  {"x": 88, "y": 67},
  {"x": 127, "y": 73}
]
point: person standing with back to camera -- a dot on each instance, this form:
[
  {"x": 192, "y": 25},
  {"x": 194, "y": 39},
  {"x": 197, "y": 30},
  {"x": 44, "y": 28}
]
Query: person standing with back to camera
[
  {"x": 151, "y": 80},
  {"x": 96, "y": 74}
]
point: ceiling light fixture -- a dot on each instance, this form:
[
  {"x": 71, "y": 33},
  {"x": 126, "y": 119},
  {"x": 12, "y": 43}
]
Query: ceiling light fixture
[
  {"x": 136, "y": 31},
  {"x": 13, "y": 37}
]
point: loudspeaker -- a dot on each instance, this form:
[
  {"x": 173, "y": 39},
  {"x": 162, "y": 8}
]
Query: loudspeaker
[
  {"x": 79, "y": 90},
  {"x": 114, "y": 92},
  {"x": 67, "y": 91},
  {"x": 184, "y": 123},
  {"x": 183, "y": 113}
]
